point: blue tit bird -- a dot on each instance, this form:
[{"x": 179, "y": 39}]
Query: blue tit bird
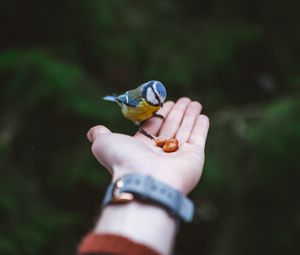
[{"x": 141, "y": 103}]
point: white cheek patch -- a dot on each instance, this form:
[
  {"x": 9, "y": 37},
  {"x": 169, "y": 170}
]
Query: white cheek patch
[
  {"x": 155, "y": 87},
  {"x": 162, "y": 99},
  {"x": 150, "y": 97}
]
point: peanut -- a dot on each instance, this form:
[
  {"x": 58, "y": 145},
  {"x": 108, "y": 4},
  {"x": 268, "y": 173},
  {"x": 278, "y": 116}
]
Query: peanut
[
  {"x": 160, "y": 142},
  {"x": 171, "y": 145},
  {"x": 173, "y": 140}
]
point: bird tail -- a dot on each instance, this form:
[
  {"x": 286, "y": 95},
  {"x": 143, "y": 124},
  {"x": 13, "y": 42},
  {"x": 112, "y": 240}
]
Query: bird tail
[{"x": 110, "y": 98}]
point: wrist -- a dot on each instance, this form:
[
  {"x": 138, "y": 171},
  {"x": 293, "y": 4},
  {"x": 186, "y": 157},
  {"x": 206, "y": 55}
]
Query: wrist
[
  {"x": 145, "y": 188},
  {"x": 150, "y": 214},
  {"x": 147, "y": 224}
]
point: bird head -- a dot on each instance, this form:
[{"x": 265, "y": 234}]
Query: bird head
[{"x": 154, "y": 92}]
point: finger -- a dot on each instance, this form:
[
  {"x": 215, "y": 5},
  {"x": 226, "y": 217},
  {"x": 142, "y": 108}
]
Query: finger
[
  {"x": 96, "y": 131},
  {"x": 153, "y": 125},
  {"x": 173, "y": 121},
  {"x": 199, "y": 132},
  {"x": 188, "y": 122}
]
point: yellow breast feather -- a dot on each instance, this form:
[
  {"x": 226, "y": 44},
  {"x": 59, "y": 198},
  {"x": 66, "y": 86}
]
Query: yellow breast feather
[{"x": 139, "y": 113}]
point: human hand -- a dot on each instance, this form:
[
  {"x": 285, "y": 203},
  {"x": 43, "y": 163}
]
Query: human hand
[{"x": 123, "y": 154}]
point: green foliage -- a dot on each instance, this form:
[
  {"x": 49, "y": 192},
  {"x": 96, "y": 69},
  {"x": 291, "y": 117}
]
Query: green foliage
[{"x": 239, "y": 58}]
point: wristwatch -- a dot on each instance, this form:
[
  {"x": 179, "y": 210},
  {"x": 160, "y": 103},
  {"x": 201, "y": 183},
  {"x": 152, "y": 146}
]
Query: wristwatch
[{"x": 146, "y": 188}]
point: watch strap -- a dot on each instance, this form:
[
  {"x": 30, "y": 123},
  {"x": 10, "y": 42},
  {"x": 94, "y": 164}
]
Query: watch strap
[{"x": 144, "y": 187}]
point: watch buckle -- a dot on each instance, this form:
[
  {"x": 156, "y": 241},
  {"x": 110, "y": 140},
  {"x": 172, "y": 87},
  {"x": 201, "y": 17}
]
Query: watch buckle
[{"x": 119, "y": 197}]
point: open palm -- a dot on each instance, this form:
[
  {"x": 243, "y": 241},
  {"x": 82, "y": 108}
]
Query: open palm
[{"x": 123, "y": 154}]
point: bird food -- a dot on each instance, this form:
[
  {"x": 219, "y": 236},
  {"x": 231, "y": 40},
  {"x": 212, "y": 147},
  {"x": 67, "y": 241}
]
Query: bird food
[
  {"x": 168, "y": 145},
  {"x": 160, "y": 142}
]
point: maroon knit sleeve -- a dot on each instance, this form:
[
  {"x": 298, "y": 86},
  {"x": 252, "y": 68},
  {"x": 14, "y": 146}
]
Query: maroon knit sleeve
[{"x": 96, "y": 244}]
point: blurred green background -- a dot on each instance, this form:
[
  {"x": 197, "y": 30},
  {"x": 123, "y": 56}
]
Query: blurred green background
[{"x": 241, "y": 59}]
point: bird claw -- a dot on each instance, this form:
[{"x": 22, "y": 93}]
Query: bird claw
[
  {"x": 145, "y": 133},
  {"x": 158, "y": 116}
]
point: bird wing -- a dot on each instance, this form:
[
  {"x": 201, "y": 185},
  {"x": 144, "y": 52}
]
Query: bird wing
[{"x": 129, "y": 99}]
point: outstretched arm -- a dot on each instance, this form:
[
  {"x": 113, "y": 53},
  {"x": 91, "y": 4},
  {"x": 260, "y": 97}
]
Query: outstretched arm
[{"x": 144, "y": 223}]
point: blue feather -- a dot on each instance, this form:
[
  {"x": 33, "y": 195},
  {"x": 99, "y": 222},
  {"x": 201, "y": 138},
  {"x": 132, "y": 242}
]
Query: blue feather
[
  {"x": 110, "y": 98},
  {"x": 128, "y": 99}
]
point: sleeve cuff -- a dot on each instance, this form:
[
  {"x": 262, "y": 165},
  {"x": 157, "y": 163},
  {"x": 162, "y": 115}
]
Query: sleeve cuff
[{"x": 94, "y": 244}]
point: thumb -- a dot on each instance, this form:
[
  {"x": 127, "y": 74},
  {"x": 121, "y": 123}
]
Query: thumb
[{"x": 96, "y": 131}]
